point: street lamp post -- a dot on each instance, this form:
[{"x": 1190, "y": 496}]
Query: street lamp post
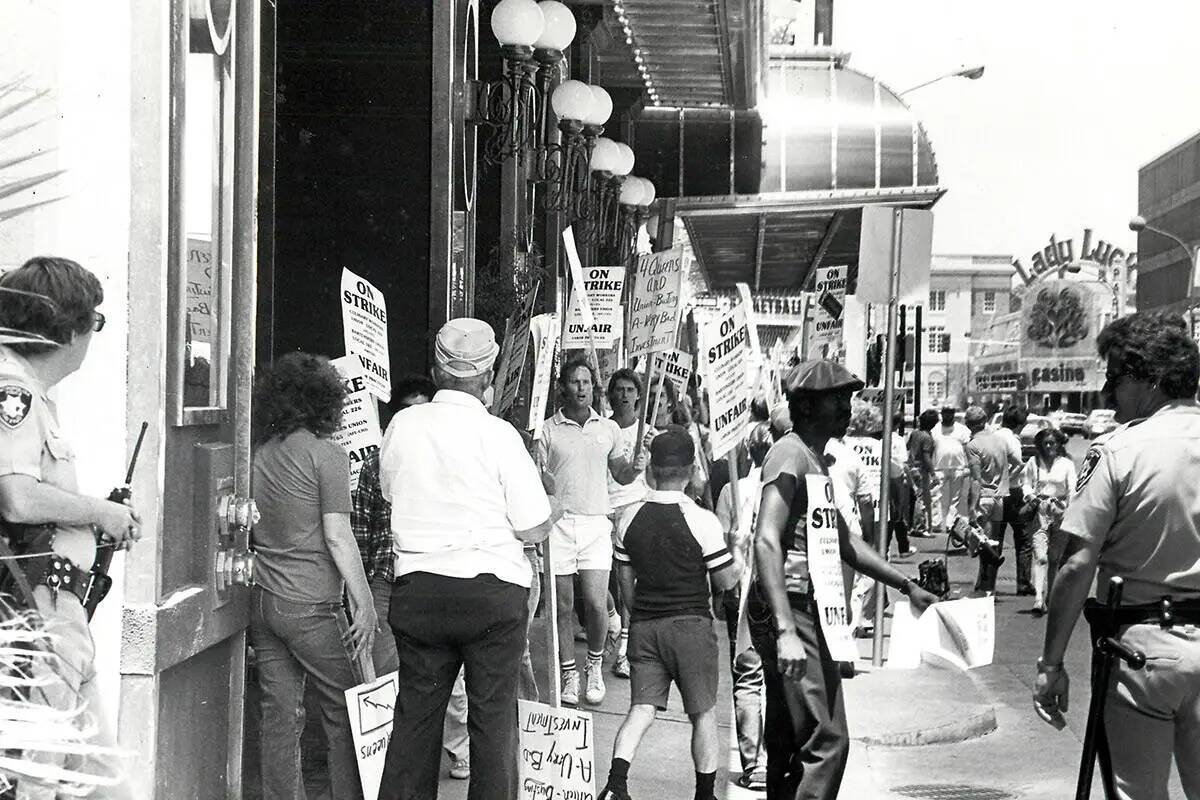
[
  {"x": 1138, "y": 224},
  {"x": 970, "y": 73}
]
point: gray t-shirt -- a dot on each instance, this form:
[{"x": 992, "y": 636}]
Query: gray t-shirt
[{"x": 296, "y": 480}]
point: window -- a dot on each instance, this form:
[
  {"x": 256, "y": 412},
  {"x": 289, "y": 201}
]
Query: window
[
  {"x": 939, "y": 340},
  {"x": 936, "y": 390},
  {"x": 937, "y": 300},
  {"x": 989, "y": 302}
]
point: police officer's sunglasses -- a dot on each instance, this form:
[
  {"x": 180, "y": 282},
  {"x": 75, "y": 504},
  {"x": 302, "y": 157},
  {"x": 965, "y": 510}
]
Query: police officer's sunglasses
[{"x": 97, "y": 321}]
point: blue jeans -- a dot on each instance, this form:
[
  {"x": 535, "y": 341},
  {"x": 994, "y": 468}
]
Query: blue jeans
[{"x": 294, "y": 643}]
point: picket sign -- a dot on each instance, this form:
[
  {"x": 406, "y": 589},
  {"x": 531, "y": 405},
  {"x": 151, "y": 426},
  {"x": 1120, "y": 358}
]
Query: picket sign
[
  {"x": 558, "y": 752},
  {"x": 512, "y": 355},
  {"x": 602, "y": 289},
  {"x": 655, "y": 306},
  {"x": 724, "y": 355},
  {"x": 544, "y": 328},
  {"x": 358, "y": 434},
  {"x": 825, "y": 568},
  {"x": 365, "y": 330},
  {"x": 959, "y": 634},
  {"x": 371, "y": 707}
]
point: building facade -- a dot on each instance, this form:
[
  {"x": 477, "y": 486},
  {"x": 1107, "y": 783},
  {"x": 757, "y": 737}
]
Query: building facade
[{"x": 1169, "y": 199}]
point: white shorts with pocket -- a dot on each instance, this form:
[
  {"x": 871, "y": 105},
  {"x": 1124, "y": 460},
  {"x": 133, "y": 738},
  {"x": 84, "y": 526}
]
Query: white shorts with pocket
[{"x": 581, "y": 542}]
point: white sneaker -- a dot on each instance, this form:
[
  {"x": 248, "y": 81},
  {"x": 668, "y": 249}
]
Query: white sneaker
[
  {"x": 460, "y": 770},
  {"x": 570, "y": 687},
  {"x": 594, "y": 677}
]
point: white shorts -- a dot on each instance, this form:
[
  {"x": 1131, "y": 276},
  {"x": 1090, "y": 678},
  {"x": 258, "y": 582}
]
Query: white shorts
[{"x": 580, "y": 542}]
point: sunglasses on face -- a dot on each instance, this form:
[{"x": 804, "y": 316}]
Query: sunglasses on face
[{"x": 97, "y": 321}]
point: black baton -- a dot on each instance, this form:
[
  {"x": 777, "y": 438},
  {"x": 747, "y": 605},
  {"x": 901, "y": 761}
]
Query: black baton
[{"x": 1105, "y": 649}]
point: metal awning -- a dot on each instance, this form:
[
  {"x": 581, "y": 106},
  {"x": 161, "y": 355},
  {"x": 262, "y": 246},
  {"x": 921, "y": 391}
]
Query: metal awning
[
  {"x": 683, "y": 53},
  {"x": 775, "y": 241}
]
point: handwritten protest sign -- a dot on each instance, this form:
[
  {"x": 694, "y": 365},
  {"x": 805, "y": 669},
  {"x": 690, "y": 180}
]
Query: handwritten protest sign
[
  {"x": 655, "y": 305},
  {"x": 557, "y": 753},
  {"x": 371, "y": 707},
  {"x": 359, "y": 432},
  {"x": 726, "y": 347},
  {"x": 830, "y": 300},
  {"x": 825, "y": 568},
  {"x": 199, "y": 291},
  {"x": 512, "y": 355},
  {"x": 365, "y": 329},
  {"x": 544, "y": 328},
  {"x": 603, "y": 287}
]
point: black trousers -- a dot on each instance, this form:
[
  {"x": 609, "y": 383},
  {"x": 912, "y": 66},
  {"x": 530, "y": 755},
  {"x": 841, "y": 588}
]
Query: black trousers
[
  {"x": 440, "y": 624},
  {"x": 1022, "y": 545}
]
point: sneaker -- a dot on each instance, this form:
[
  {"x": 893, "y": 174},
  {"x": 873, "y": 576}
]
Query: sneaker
[
  {"x": 460, "y": 770},
  {"x": 910, "y": 552},
  {"x": 570, "y": 687},
  {"x": 754, "y": 780},
  {"x": 620, "y": 667},
  {"x": 612, "y": 641},
  {"x": 593, "y": 675},
  {"x": 609, "y": 793}
]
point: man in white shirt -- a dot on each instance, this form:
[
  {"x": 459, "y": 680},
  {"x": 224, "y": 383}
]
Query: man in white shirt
[
  {"x": 578, "y": 451},
  {"x": 466, "y": 497},
  {"x": 1011, "y": 422},
  {"x": 950, "y": 459}
]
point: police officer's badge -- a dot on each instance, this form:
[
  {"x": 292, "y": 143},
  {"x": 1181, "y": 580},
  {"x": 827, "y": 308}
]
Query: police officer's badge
[
  {"x": 15, "y": 402},
  {"x": 1090, "y": 462}
]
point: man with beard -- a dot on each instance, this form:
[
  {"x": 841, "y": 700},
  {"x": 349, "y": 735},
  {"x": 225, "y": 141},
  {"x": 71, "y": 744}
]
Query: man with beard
[
  {"x": 578, "y": 451},
  {"x": 806, "y": 737}
]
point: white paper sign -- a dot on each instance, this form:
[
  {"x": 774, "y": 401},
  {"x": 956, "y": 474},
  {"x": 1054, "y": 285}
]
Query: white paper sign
[
  {"x": 371, "y": 707},
  {"x": 359, "y": 432},
  {"x": 829, "y": 301},
  {"x": 557, "y": 753},
  {"x": 544, "y": 328},
  {"x": 200, "y": 292},
  {"x": 726, "y": 348},
  {"x": 870, "y": 450},
  {"x": 676, "y": 365},
  {"x": 364, "y": 326},
  {"x": 512, "y": 355},
  {"x": 655, "y": 305},
  {"x": 603, "y": 287},
  {"x": 825, "y": 568},
  {"x": 956, "y": 633}
]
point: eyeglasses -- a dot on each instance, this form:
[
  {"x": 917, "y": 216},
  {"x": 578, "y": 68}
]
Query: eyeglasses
[{"x": 97, "y": 321}]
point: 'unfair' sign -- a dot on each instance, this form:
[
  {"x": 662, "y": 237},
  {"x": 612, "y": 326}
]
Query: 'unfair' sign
[
  {"x": 726, "y": 352},
  {"x": 654, "y": 309},
  {"x": 364, "y": 326},
  {"x": 603, "y": 287},
  {"x": 359, "y": 433}
]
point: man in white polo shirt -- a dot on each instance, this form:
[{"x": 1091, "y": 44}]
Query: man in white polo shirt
[
  {"x": 578, "y": 451},
  {"x": 466, "y": 497}
]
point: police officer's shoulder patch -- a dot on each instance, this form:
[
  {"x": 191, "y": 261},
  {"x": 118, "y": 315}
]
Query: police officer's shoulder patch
[
  {"x": 1090, "y": 462},
  {"x": 15, "y": 402}
]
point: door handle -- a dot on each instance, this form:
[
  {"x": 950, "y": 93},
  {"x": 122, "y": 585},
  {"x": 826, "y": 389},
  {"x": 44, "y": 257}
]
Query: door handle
[{"x": 235, "y": 558}]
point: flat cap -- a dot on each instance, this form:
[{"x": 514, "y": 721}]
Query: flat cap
[
  {"x": 466, "y": 347},
  {"x": 820, "y": 375},
  {"x": 672, "y": 448}
]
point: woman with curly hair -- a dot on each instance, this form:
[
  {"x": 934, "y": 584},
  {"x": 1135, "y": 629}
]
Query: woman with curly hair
[
  {"x": 307, "y": 556},
  {"x": 1049, "y": 479}
]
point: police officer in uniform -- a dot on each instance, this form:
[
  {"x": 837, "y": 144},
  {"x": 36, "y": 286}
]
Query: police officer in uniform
[
  {"x": 1136, "y": 516},
  {"x": 805, "y": 730},
  {"x": 39, "y": 500}
]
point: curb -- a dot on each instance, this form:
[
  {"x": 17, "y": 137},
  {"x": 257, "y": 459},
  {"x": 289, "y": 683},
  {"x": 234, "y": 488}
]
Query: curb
[{"x": 974, "y": 726}]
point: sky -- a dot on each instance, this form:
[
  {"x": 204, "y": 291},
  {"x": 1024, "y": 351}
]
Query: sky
[{"x": 1075, "y": 98}]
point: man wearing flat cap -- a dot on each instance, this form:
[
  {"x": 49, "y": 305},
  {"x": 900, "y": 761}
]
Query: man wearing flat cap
[
  {"x": 465, "y": 498},
  {"x": 806, "y": 737}
]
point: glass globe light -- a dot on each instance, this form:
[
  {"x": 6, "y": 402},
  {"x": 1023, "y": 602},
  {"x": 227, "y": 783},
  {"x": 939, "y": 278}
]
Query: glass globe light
[
  {"x": 517, "y": 23},
  {"x": 625, "y": 163},
  {"x": 648, "y": 192},
  {"x": 605, "y": 155},
  {"x": 631, "y": 192},
  {"x": 572, "y": 100},
  {"x": 602, "y": 108},
  {"x": 559, "y": 31}
]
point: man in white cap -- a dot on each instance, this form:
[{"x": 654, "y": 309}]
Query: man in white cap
[{"x": 466, "y": 497}]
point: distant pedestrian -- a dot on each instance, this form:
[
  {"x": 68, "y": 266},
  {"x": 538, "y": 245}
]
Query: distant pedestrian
[
  {"x": 1049, "y": 479},
  {"x": 1135, "y": 515},
  {"x": 806, "y": 736},
  {"x": 670, "y": 551},
  {"x": 950, "y": 459},
  {"x": 578, "y": 451},
  {"x": 307, "y": 559},
  {"x": 1011, "y": 422},
  {"x": 923, "y": 472},
  {"x": 466, "y": 497},
  {"x": 991, "y": 460}
]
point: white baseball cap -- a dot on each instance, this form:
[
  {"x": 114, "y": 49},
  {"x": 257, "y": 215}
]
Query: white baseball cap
[{"x": 466, "y": 347}]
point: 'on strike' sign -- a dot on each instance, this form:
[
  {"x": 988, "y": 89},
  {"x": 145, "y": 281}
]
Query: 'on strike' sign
[
  {"x": 364, "y": 326},
  {"x": 726, "y": 353}
]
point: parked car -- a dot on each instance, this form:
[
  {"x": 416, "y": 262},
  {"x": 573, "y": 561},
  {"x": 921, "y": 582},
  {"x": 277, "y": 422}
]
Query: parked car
[
  {"x": 1068, "y": 421},
  {"x": 1033, "y": 424},
  {"x": 1100, "y": 422}
]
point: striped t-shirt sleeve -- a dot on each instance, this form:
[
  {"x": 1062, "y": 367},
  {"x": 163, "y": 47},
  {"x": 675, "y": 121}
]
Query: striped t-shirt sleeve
[
  {"x": 619, "y": 551},
  {"x": 708, "y": 534}
]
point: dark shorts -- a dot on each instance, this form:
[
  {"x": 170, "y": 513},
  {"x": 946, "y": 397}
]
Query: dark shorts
[{"x": 679, "y": 649}]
